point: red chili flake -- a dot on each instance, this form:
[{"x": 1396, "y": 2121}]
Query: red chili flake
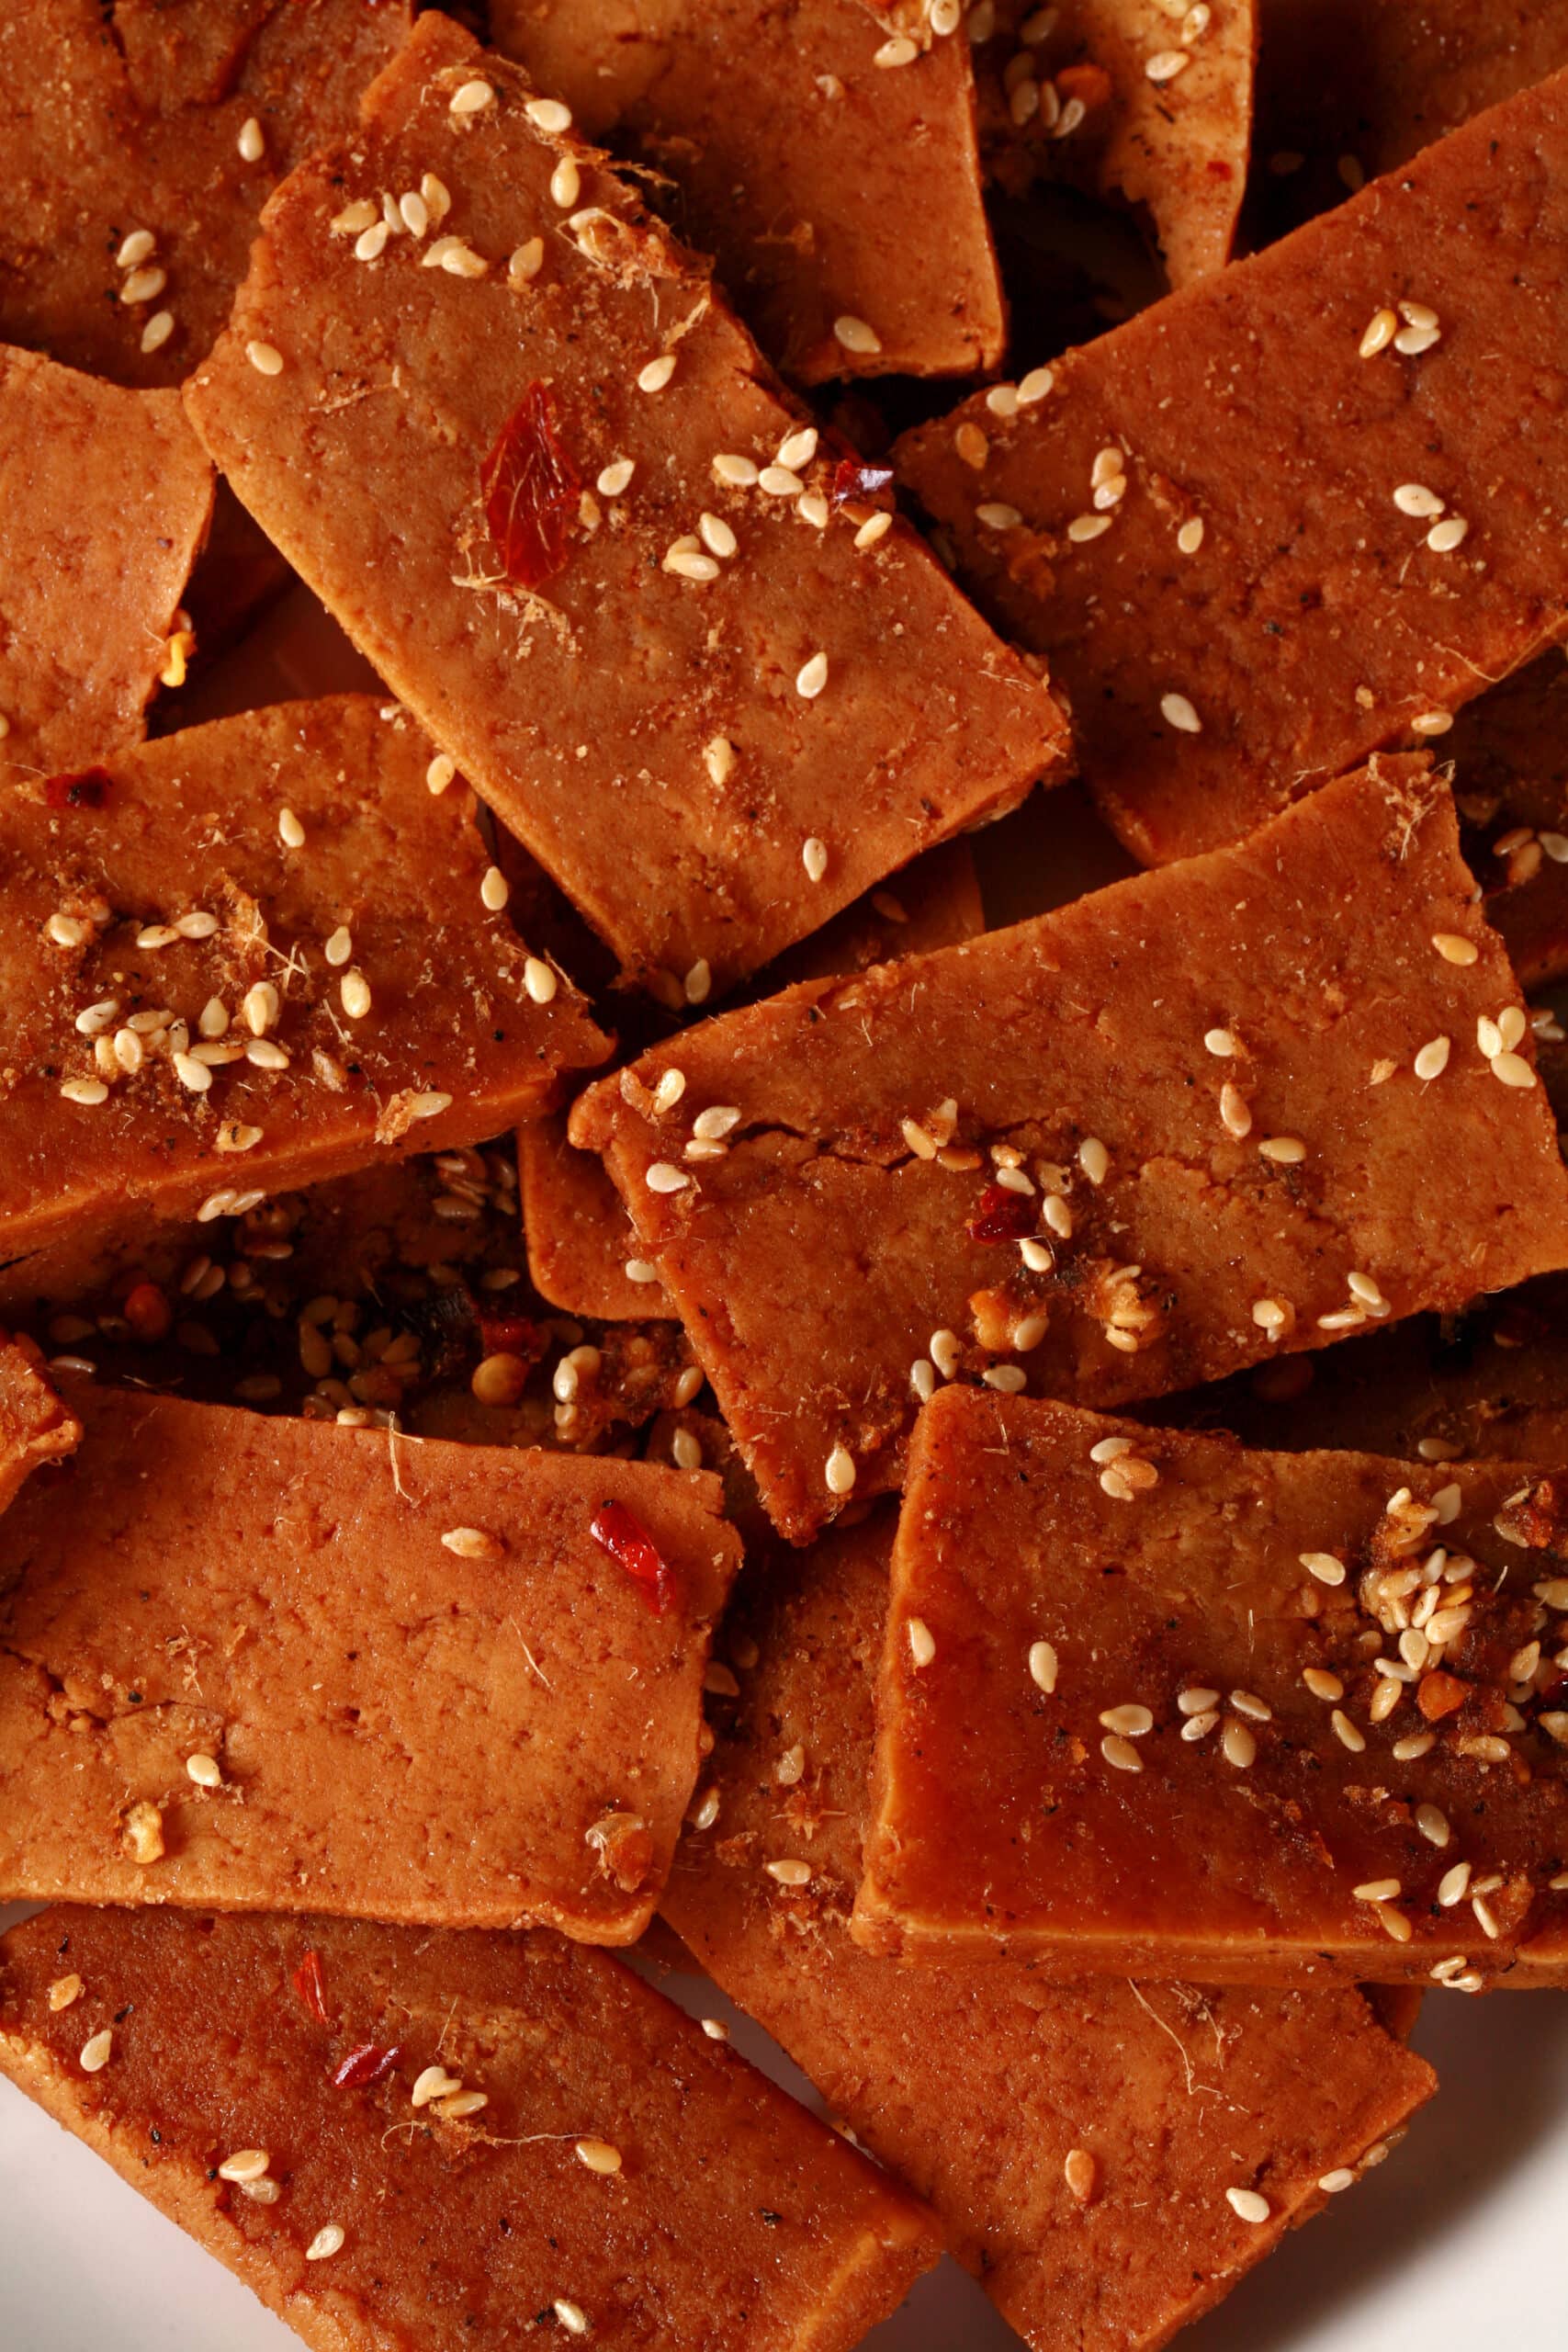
[
  {"x": 509, "y": 1335},
  {"x": 311, "y": 1987},
  {"x": 628, "y": 1540},
  {"x": 367, "y": 2065},
  {"x": 1002, "y": 1215},
  {"x": 1553, "y": 1699},
  {"x": 531, "y": 490},
  {"x": 82, "y": 789},
  {"x": 853, "y": 478}
]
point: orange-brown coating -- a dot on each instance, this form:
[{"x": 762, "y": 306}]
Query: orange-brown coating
[
  {"x": 1189, "y": 1709},
  {"x": 974, "y": 2083},
  {"x": 1510, "y": 754},
  {"x": 446, "y": 1048},
  {"x": 1118, "y": 97},
  {"x": 105, "y": 498},
  {"x": 735, "y": 2218},
  {"x": 35, "y": 1427},
  {"x": 1189, "y": 1207},
  {"x": 809, "y": 691},
  {"x": 480, "y": 1733},
  {"x": 132, "y": 118},
  {"x": 1313, "y": 622},
  {"x": 580, "y": 1239},
  {"x": 825, "y": 185}
]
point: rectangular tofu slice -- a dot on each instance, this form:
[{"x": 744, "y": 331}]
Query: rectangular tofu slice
[
  {"x": 274, "y": 1665},
  {"x": 1042, "y": 2122},
  {"x": 403, "y": 2138},
  {"x": 255, "y": 955},
  {"x": 548, "y": 485},
  {"x": 1198, "y": 1120},
  {"x": 1280, "y": 521},
  {"x": 1150, "y": 1700}
]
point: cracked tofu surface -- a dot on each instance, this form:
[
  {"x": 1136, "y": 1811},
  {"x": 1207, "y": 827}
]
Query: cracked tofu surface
[
  {"x": 976, "y": 2082},
  {"x": 254, "y": 954},
  {"x": 1169, "y": 1130},
  {"x": 104, "y": 499},
  {"x": 35, "y": 1427},
  {"x": 1255, "y": 1717},
  {"x": 733, "y": 2219},
  {"x": 1314, "y": 552},
  {"x": 489, "y": 1731},
  {"x": 491, "y": 451}
]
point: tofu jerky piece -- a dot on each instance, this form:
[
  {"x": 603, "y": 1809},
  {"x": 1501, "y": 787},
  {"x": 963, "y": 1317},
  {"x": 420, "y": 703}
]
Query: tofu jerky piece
[
  {"x": 252, "y": 955},
  {"x": 34, "y": 1425},
  {"x": 582, "y": 1251},
  {"x": 839, "y": 195},
  {"x": 140, "y": 140},
  {"x": 1122, "y": 98},
  {"x": 414, "y": 2139},
  {"x": 1298, "y": 512},
  {"x": 1305, "y": 1718},
  {"x": 307, "y": 1667},
  {"x": 545, "y": 480},
  {"x": 1043, "y": 2122},
  {"x": 105, "y": 498},
  {"x": 1191, "y": 1122}
]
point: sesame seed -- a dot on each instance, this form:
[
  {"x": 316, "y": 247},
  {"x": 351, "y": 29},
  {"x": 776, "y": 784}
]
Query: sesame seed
[
  {"x": 697, "y": 986},
  {"x": 1246, "y": 1702},
  {"x": 1234, "y": 1115},
  {"x": 145, "y": 284},
  {"x": 471, "y": 97},
  {"x": 1377, "y": 1890},
  {"x": 157, "y": 935},
  {"x": 432, "y": 2083},
  {"x": 426, "y": 1107},
  {"x": 1432, "y": 1058},
  {"x": 1431, "y": 722},
  {"x": 797, "y": 450},
  {"x": 290, "y": 832},
  {"x": 192, "y": 1073},
  {"x": 328, "y": 2241},
  {"x": 1433, "y": 1824},
  {"x": 1321, "y": 1684},
  {"x": 1454, "y": 948},
  {"x": 135, "y": 248},
  {"x": 195, "y": 925},
  {"x": 665, "y": 1177},
  {"x": 1380, "y": 333},
  {"x": 718, "y": 758},
  {"x": 1238, "y": 1744},
  {"x": 1196, "y": 1701},
  {"x": 538, "y": 980},
  {"x": 96, "y": 2052},
  {"x": 264, "y": 357},
  {"x": 1444, "y": 537},
  {"x": 439, "y": 774},
  {"x": 1346, "y": 1731},
  {"x": 922, "y": 1643},
  {"x": 856, "y": 335},
  {"x": 86, "y": 1091},
  {"x": 1363, "y": 1288},
  {"x": 688, "y": 564},
  {"x": 789, "y": 1873},
  {"x": 740, "y": 473},
  {"x": 353, "y": 217},
  {"x": 573, "y": 2316},
  {"x": 1247, "y": 2205},
  {"x": 1415, "y": 498},
  {"x": 670, "y": 1089},
  {"x": 246, "y": 2164},
  {"x": 1190, "y": 539},
  {"x": 354, "y": 990},
  {"x": 1332, "y": 2183},
  {"x": 157, "y": 331},
  {"x": 1513, "y": 1069},
  {"x": 899, "y": 50},
  {"x": 716, "y": 535},
  {"x": 598, "y": 2156},
  {"x": 1133, "y": 1722},
  {"x": 549, "y": 116},
  {"x": 1042, "y": 1666},
  {"x": 566, "y": 185},
  {"x": 372, "y": 244},
  {"x": 777, "y": 481},
  {"x": 997, "y": 517},
  {"x": 716, "y": 1121},
  {"x": 1416, "y": 1745},
  {"x": 1221, "y": 1043},
  {"x": 812, "y": 676},
  {"x": 714, "y": 2029},
  {"x": 495, "y": 889},
  {"x": 1323, "y": 1566},
  {"x": 657, "y": 373},
  {"x": 616, "y": 478},
  {"x": 922, "y": 1379},
  {"x": 1084, "y": 527},
  {"x": 839, "y": 1473},
  {"x": 1178, "y": 712},
  {"x": 526, "y": 264},
  {"x": 455, "y": 258},
  {"x": 473, "y": 1543},
  {"x": 461, "y": 2104},
  {"x": 1034, "y": 387},
  {"x": 413, "y": 212},
  {"x": 1078, "y": 2171},
  {"x": 1120, "y": 1753}
]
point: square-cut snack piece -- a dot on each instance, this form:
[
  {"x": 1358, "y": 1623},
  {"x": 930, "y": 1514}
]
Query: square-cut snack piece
[
  {"x": 1189, "y": 1122},
  {"x": 408, "y": 2139},
  {"x": 1510, "y": 754},
  {"x": 34, "y": 1425},
  {"x": 1421, "y": 67},
  {"x": 1043, "y": 2122},
  {"x": 1257, "y": 1717},
  {"x": 105, "y": 498},
  {"x": 1250, "y": 574},
  {"x": 583, "y": 1253},
  {"x": 252, "y": 955},
  {"x": 544, "y": 479},
  {"x": 841, "y": 199},
  {"x": 1114, "y": 96},
  {"x": 140, "y": 140},
  {"x": 273, "y": 1666}
]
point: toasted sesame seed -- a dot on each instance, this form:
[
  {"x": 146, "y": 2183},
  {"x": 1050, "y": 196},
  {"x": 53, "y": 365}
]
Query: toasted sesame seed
[
  {"x": 473, "y": 1543},
  {"x": 1415, "y": 498},
  {"x": 839, "y": 1474},
  {"x": 573, "y": 2316},
  {"x": 246, "y": 2164},
  {"x": 1332, "y": 2183},
  {"x": 1042, "y": 1666},
  {"x": 1377, "y": 1890},
  {"x": 1453, "y": 1885},
  {"x": 1131, "y": 1721},
  {"x": 495, "y": 889},
  {"x": 157, "y": 331},
  {"x": 657, "y": 373},
  {"x": 1234, "y": 1115},
  {"x": 1109, "y": 1448},
  {"x": 1197, "y": 1701},
  {"x": 566, "y": 185},
  {"x": 1380, "y": 333},
  {"x": 1431, "y": 722},
  {"x": 1190, "y": 539},
  {"x": 1120, "y": 1753},
  {"x": 354, "y": 990},
  {"x": 538, "y": 980},
  {"x": 1346, "y": 1731},
  {"x": 1178, "y": 712},
  {"x": 1246, "y": 1702},
  {"x": 1323, "y": 1566},
  {"x": 1321, "y": 1684},
  {"x": 191, "y": 1073},
  {"x": 812, "y": 676},
  {"x": 145, "y": 284},
  {"x": 856, "y": 335},
  {"x": 264, "y": 357},
  {"x": 96, "y": 2052},
  {"x": 1238, "y": 1744},
  {"x": 1444, "y": 537},
  {"x": 789, "y": 1873},
  {"x": 1221, "y": 1043},
  {"x": 1412, "y": 340},
  {"x": 85, "y": 1091},
  {"x": 135, "y": 248},
  {"x": 157, "y": 935},
  {"x": 372, "y": 244},
  {"x": 471, "y": 97},
  {"x": 329, "y": 2240},
  {"x": 1416, "y": 1745},
  {"x": 697, "y": 986},
  {"x": 1247, "y": 2205},
  {"x": 64, "y": 1992},
  {"x": 777, "y": 481},
  {"x": 923, "y": 1642},
  {"x": 1078, "y": 2170},
  {"x": 1454, "y": 947},
  {"x": 1513, "y": 1069},
  {"x": 290, "y": 832},
  {"x": 1034, "y": 387},
  {"x": 459, "y": 2105},
  {"x": 353, "y": 217},
  {"x": 1084, "y": 527},
  {"x": 549, "y": 116},
  {"x": 599, "y": 2156},
  {"x": 1432, "y": 1058},
  {"x": 616, "y": 478}
]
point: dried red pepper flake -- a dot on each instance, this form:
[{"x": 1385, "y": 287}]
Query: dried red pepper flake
[
  {"x": 620, "y": 1533},
  {"x": 531, "y": 490},
  {"x": 509, "y": 1335},
  {"x": 83, "y": 788},
  {"x": 368, "y": 2063},
  {"x": 1553, "y": 1699},
  {"x": 312, "y": 1986},
  {"x": 1002, "y": 1215},
  {"x": 853, "y": 478}
]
